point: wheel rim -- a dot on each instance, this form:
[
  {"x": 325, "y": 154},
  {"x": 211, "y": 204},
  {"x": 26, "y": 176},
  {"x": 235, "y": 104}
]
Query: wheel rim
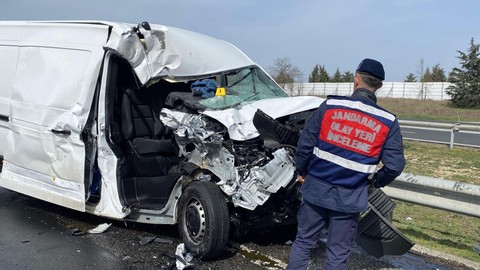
[{"x": 195, "y": 221}]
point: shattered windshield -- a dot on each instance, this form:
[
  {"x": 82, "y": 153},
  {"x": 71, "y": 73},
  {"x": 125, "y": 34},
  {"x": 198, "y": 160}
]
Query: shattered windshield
[{"x": 245, "y": 85}]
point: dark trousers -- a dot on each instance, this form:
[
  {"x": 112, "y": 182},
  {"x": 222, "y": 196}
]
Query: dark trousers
[{"x": 342, "y": 228}]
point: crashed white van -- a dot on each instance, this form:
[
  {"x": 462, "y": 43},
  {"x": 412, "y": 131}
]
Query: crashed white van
[
  {"x": 106, "y": 118},
  {"x": 100, "y": 117}
]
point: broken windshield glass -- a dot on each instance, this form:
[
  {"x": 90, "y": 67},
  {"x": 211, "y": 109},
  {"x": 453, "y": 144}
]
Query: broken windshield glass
[{"x": 245, "y": 85}]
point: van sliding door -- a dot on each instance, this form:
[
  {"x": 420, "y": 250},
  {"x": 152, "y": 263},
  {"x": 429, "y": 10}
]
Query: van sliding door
[{"x": 58, "y": 69}]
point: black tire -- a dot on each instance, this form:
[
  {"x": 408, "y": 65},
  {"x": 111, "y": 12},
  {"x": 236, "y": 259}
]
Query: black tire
[{"x": 203, "y": 219}]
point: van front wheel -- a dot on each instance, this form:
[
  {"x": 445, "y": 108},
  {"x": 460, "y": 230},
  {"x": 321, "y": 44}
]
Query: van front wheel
[{"x": 203, "y": 219}]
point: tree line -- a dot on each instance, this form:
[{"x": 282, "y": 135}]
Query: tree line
[{"x": 464, "y": 92}]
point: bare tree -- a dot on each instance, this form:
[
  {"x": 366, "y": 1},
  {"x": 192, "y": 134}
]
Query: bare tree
[
  {"x": 285, "y": 73},
  {"x": 421, "y": 68},
  {"x": 421, "y": 74}
]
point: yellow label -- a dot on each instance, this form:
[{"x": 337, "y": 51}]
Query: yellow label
[{"x": 220, "y": 91}]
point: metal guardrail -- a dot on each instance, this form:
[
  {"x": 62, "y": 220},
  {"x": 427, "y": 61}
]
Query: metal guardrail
[
  {"x": 437, "y": 193},
  {"x": 459, "y": 126},
  {"x": 452, "y": 127}
]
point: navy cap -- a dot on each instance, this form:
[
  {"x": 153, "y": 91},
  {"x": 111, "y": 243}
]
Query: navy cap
[{"x": 372, "y": 67}]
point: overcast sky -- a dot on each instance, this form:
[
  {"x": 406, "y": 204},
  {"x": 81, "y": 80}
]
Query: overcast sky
[{"x": 336, "y": 34}]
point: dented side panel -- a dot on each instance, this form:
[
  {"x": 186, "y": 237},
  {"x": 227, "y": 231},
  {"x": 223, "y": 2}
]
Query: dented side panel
[{"x": 54, "y": 82}]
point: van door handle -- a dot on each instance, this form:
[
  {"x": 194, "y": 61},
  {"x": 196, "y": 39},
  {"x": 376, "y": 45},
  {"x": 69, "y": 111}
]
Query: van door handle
[{"x": 61, "y": 131}]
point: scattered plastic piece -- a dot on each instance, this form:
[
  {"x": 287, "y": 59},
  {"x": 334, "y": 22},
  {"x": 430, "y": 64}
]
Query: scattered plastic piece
[
  {"x": 476, "y": 248},
  {"x": 147, "y": 240},
  {"x": 170, "y": 262},
  {"x": 163, "y": 240},
  {"x": 76, "y": 232},
  {"x": 289, "y": 242},
  {"x": 183, "y": 257},
  {"x": 156, "y": 239},
  {"x": 25, "y": 241},
  {"x": 100, "y": 228},
  {"x": 408, "y": 219}
]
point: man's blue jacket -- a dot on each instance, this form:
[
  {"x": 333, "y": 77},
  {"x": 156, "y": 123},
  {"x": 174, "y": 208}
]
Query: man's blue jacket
[{"x": 341, "y": 146}]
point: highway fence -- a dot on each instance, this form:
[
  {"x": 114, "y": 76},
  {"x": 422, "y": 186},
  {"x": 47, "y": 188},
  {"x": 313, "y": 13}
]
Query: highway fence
[{"x": 412, "y": 90}]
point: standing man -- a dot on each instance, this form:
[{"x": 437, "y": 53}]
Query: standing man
[{"x": 338, "y": 151}]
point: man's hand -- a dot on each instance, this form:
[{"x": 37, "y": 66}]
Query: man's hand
[{"x": 300, "y": 179}]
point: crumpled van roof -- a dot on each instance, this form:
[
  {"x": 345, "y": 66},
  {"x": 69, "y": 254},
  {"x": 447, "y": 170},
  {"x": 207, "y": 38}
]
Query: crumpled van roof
[{"x": 161, "y": 52}]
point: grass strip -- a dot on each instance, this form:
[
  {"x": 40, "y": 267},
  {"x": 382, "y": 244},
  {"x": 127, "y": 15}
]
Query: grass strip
[{"x": 436, "y": 229}]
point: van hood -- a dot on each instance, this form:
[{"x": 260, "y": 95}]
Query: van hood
[
  {"x": 158, "y": 51},
  {"x": 239, "y": 120}
]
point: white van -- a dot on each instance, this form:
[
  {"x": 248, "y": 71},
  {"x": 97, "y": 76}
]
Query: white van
[
  {"x": 151, "y": 124},
  {"x": 102, "y": 117}
]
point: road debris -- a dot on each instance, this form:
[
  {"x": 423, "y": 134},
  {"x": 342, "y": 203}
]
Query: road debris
[
  {"x": 100, "y": 228},
  {"x": 150, "y": 239},
  {"x": 76, "y": 232},
  {"x": 183, "y": 257},
  {"x": 476, "y": 248}
]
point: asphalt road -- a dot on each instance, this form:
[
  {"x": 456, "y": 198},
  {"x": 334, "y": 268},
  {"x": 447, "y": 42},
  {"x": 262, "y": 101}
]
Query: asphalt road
[
  {"x": 37, "y": 235},
  {"x": 33, "y": 238}
]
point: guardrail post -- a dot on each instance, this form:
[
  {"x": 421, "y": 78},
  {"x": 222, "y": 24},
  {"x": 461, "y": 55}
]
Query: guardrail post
[{"x": 455, "y": 128}]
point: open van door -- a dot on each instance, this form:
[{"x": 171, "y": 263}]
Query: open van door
[{"x": 54, "y": 85}]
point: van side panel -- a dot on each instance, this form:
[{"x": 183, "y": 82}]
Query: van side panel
[
  {"x": 8, "y": 54},
  {"x": 57, "y": 70}
]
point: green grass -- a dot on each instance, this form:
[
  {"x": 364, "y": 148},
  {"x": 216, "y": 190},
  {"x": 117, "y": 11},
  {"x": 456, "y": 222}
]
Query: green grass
[
  {"x": 439, "y": 161},
  {"x": 415, "y": 109},
  {"x": 438, "y": 229}
]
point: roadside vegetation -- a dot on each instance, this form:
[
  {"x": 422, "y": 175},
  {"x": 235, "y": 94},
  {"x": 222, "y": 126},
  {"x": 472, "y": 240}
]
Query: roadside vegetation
[
  {"x": 436, "y": 229},
  {"x": 433, "y": 110}
]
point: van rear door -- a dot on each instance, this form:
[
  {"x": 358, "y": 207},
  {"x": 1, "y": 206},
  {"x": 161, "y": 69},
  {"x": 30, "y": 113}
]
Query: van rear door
[{"x": 57, "y": 71}]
